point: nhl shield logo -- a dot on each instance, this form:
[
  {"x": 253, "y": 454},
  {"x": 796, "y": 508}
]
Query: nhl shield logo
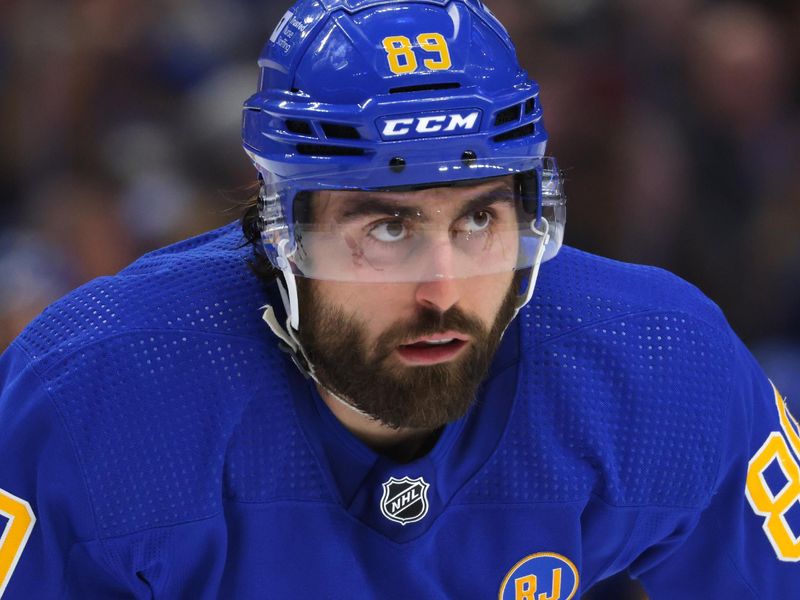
[{"x": 405, "y": 500}]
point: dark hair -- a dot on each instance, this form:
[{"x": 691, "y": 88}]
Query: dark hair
[
  {"x": 249, "y": 221},
  {"x": 258, "y": 263}
]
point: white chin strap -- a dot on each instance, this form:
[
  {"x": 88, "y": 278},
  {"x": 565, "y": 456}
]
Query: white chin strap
[
  {"x": 288, "y": 293},
  {"x": 288, "y": 335},
  {"x": 291, "y": 304}
]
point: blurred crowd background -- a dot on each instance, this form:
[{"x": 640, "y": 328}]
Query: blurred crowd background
[{"x": 678, "y": 125}]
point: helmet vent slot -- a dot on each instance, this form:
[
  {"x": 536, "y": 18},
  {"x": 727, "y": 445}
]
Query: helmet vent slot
[
  {"x": 342, "y": 132},
  {"x": 530, "y": 105},
  {"x": 508, "y": 115},
  {"x": 326, "y": 150},
  {"x": 299, "y": 127},
  {"x": 515, "y": 134},
  {"x": 430, "y": 87}
]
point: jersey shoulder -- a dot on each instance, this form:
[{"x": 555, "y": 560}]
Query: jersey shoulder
[
  {"x": 624, "y": 386},
  {"x": 155, "y": 369},
  {"x": 200, "y": 285},
  {"x": 578, "y": 289}
]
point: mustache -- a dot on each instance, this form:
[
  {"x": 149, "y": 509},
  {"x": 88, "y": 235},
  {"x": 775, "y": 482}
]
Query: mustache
[{"x": 428, "y": 322}]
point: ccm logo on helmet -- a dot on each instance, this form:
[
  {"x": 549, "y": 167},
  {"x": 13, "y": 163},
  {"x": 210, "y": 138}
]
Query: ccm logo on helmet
[{"x": 430, "y": 125}]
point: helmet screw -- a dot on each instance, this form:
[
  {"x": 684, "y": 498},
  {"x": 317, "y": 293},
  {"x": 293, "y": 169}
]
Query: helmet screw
[
  {"x": 397, "y": 164},
  {"x": 469, "y": 157}
]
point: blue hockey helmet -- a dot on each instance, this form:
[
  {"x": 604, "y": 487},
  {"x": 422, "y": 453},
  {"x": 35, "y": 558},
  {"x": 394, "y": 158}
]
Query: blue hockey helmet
[{"x": 395, "y": 95}]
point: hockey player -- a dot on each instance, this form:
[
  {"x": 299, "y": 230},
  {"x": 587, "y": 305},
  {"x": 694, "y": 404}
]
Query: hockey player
[{"x": 396, "y": 401}]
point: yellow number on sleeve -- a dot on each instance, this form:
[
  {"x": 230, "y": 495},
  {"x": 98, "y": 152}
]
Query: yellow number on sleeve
[
  {"x": 774, "y": 506},
  {"x": 399, "y": 47},
  {"x": 15, "y": 535},
  {"x": 435, "y": 42}
]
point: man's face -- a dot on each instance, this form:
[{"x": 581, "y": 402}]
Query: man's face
[{"x": 410, "y": 353}]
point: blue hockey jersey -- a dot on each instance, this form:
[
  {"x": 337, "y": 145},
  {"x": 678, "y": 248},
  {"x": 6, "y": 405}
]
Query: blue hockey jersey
[{"x": 158, "y": 444}]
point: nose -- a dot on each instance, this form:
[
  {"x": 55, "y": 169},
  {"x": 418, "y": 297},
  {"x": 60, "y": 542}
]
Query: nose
[
  {"x": 439, "y": 289},
  {"x": 439, "y": 295}
]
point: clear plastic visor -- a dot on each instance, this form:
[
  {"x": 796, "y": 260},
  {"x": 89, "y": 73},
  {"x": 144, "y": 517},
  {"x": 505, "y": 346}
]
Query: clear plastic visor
[{"x": 470, "y": 228}]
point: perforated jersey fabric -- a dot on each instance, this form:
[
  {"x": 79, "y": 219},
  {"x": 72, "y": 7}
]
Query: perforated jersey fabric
[
  {"x": 632, "y": 385},
  {"x": 168, "y": 449},
  {"x": 166, "y": 356}
]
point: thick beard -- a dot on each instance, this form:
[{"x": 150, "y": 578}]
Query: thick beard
[{"x": 418, "y": 397}]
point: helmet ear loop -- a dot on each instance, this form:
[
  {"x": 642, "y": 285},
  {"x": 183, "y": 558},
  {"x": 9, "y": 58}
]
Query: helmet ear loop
[
  {"x": 542, "y": 230},
  {"x": 539, "y": 225}
]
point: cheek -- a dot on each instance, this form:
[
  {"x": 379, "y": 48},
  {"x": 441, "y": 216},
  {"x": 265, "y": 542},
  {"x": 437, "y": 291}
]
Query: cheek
[
  {"x": 488, "y": 294},
  {"x": 376, "y": 306}
]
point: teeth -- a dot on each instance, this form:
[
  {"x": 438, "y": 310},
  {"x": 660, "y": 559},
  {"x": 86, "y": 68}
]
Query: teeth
[{"x": 439, "y": 342}]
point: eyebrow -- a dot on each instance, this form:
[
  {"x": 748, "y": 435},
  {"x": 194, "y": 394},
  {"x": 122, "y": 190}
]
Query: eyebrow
[
  {"x": 488, "y": 199},
  {"x": 376, "y": 205}
]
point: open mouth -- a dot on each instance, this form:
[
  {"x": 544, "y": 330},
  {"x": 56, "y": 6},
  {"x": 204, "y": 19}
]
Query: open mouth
[{"x": 432, "y": 349}]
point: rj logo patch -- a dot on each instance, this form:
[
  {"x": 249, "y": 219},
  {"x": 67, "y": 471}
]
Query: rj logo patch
[
  {"x": 541, "y": 576},
  {"x": 405, "y": 500}
]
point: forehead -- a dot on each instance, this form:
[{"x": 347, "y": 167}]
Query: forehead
[{"x": 331, "y": 204}]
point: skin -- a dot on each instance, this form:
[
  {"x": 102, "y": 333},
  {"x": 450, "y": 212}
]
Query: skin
[{"x": 377, "y": 306}]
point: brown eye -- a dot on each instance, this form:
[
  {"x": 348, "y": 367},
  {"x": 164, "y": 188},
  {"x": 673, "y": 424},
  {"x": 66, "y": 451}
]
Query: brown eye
[
  {"x": 389, "y": 231},
  {"x": 478, "y": 221},
  {"x": 395, "y": 229}
]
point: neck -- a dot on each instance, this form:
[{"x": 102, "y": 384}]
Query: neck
[{"x": 403, "y": 444}]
